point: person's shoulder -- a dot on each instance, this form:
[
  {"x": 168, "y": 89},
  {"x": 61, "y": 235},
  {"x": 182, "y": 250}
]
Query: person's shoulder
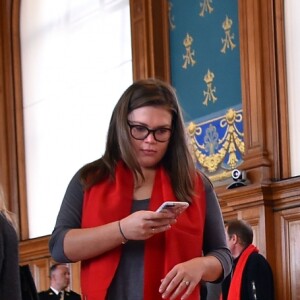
[
  {"x": 72, "y": 295},
  {"x": 256, "y": 256},
  {"x": 44, "y": 292},
  {"x": 47, "y": 294},
  {"x": 205, "y": 180},
  {"x": 257, "y": 259}
]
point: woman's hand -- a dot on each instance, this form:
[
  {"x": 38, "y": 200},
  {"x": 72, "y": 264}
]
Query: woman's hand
[
  {"x": 182, "y": 280},
  {"x": 143, "y": 224},
  {"x": 140, "y": 225},
  {"x": 184, "y": 277}
]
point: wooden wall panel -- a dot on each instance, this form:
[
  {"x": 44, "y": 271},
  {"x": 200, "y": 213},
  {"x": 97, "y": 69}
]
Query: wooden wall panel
[
  {"x": 8, "y": 144},
  {"x": 294, "y": 253},
  {"x": 274, "y": 212},
  {"x": 40, "y": 272},
  {"x": 35, "y": 253},
  {"x": 139, "y": 39},
  {"x": 288, "y": 254},
  {"x": 12, "y": 156},
  {"x": 150, "y": 39},
  {"x": 252, "y": 204},
  {"x": 263, "y": 136},
  {"x": 283, "y": 120}
]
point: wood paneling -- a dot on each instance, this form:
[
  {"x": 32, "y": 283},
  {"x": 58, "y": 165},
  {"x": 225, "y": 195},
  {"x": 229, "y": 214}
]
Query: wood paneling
[
  {"x": 281, "y": 86},
  {"x": 35, "y": 253},
  {"x": 265, "y": 140},
  {"x": 274, "y": 212},
  {"x": 150, "y": 39},
  {"x": 286, "y": 195},
  {"x": 288, "y": 221},
  {"x": 12, "y": 156}
]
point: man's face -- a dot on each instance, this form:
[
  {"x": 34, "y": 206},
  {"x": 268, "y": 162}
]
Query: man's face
[{"x": 61, "y": 277}]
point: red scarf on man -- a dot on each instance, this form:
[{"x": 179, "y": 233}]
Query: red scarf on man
[
  {"x": 236, "y": 281},
  {"x": 110, "y": 201}
]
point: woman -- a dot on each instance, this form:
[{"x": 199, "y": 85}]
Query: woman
[
  {"x": 10, "y": 286},
  {"x": 108, "y": 217}
]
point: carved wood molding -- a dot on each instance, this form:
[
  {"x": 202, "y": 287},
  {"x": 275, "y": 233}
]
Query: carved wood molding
[
  {"x": 286, "y": 194},
  {"x": 281, "y": 195},
  {"x": 33, "y": 249},
  {"x": 244, "y": 197}
]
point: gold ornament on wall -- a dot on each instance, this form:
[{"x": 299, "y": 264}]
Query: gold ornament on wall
[
  {"x": 228, "y": 40},
  {"x": 215, "y": 150},
  {"x": 188, "y": 57},
  {"x": 206, "y": 7},
  {"x": 210, "y": 90}
]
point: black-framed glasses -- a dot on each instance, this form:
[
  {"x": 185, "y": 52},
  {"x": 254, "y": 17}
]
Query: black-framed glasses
[{"x": 140, "y": 132}]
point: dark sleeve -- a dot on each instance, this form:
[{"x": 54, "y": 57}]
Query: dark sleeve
[
  {"x": 214, "y": 240},
  {"x": 257, "y": 279},
  {"x": 69, "y": 217},
  {"x": 1, "y": 246},
  {"x": 74, "y": 295}
]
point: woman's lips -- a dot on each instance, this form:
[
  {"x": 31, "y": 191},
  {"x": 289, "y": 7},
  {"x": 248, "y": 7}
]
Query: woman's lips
[{"x": 148, "y": 151}]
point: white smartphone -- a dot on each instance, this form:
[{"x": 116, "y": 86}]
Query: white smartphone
[{"x": 175, "y": 206}]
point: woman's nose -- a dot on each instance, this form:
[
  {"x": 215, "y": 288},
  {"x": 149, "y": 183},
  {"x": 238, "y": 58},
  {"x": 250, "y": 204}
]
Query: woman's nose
[{"x": 150, "y": 138}]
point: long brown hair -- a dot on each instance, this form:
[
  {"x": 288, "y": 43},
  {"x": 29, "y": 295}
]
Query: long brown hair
[
  {"x": 177, "y": 161},
  {"x": 4, "y": 211}
]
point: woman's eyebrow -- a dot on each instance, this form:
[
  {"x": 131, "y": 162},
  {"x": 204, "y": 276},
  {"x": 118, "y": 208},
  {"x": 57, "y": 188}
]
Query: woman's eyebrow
[{"x": 146, "y": 125}]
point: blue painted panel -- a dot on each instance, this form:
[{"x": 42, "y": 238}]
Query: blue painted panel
[
  {"x": 211, "y": 33},
  {"x": 205, "y": 71}
]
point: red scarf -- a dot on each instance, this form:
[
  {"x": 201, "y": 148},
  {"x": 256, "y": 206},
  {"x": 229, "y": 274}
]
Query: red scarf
[
  {"x": 110, "y": 201},
  {"x": 236, "y": 281}
]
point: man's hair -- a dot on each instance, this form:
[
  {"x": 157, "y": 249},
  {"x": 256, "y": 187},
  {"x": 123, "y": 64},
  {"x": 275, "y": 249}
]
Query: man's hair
[
  {"x": 54, "y": 267},
  {"x": 242, "y": 229}
]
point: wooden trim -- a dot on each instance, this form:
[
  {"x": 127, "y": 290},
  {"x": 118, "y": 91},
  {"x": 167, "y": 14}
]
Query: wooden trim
[
  {"x": 20, "y": 140},
  {"x": 150, "y": 39},
  {"x": 12, "y": 149},
  {"x": 263, "y": 115},
  {"x": 34, "y": 249},
  {"x": 284, "y": 159}
]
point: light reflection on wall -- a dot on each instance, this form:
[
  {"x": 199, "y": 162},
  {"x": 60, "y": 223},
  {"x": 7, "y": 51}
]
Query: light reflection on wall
[
  {"x": 76, "y": 62},
  {"x": 292, "y": 25}
]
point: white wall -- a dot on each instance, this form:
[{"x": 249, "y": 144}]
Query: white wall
[
  {"x": 292, "y": 25},
  {"x": 76, "y": 62}
]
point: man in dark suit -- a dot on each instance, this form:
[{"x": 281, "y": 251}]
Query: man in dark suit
[
  {"x": 252, "y": 276},
  {"x": 60, "y": 280}
]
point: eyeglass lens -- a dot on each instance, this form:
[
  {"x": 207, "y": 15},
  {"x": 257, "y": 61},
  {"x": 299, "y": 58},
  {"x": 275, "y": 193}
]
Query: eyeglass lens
[{"x": 140, "y": 132}]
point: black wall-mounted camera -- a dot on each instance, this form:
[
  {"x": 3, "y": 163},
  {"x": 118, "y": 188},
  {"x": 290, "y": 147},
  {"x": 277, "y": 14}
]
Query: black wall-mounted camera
[{"x": 239, "y": 178}]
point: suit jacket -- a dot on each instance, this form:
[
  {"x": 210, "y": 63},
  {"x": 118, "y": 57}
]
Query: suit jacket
[
  {"x": 28, "y": 287},
  {"x": 50, "y": 295},
  {"x": 257, "y": 279}
]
